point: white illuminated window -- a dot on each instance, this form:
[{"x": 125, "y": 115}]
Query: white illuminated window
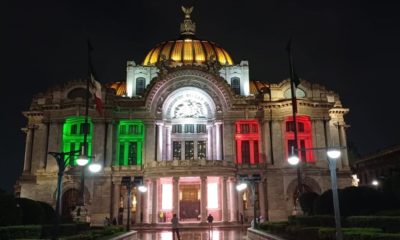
[
  {"x": 167, "y": 196},
  {"x": 212, "y": 195}
]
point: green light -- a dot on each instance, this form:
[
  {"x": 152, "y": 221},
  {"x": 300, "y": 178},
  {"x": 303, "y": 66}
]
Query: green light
[
  {"x": 130, "y": 142},
  {"x": 73, "y": 136}
]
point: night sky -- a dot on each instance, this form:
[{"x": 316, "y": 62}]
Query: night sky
[{"x": 351, "y": 47}]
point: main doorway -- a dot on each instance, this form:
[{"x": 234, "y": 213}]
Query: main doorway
[{"x": 189, "y": 204}]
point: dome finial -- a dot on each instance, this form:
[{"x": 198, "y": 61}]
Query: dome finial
[{"x": 187, "y": 27}]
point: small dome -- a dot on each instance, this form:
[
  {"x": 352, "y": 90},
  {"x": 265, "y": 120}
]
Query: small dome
[{"x": 188, "y": 51}]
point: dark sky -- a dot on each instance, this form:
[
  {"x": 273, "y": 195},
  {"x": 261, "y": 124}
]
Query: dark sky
[{"x": 351, "y": 47}]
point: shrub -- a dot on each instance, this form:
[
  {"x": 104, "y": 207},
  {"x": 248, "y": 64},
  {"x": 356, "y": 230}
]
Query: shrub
[
  {"x": 355, "y": 233},
  {"x": 274, "y": 227},
  {"x": 307, "y": 202},
  {"x": 312, "y": 221},
  {"x": 388, "y": 224},
  {"x": 32, "y": 212},
  {"x": 15, "y": 232},
  {"x": 10, "y": 211},
  {"x": 48, "y": 213}
]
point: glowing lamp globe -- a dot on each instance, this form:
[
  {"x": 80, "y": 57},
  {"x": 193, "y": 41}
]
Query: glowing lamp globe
[
  {"x": 375, "y": 183},
  {"x": 293, "y": 160},
  {"x": 82, "y": 160},
  {"x": 333, "y": 153},
  {"x": 95, "y": 167},
  {"x": 142, "y": 188},
  {"x": 241, "y": 187}
]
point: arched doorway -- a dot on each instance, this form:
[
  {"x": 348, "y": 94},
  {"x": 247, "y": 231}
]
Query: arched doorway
[{"x": 70, "y": 199}]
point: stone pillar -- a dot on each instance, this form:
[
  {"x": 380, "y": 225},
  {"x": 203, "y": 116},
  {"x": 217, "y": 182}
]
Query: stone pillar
[
  {"x": 154, "y": 201},
  {"x": 28, "y": 148},
  {"x": 138, "y": 206},
  {"x": 251, "y": 143},
  {"x": 265, "y": 143},
  {"x": 116, "y": 198},
  {"x": 209, "y": 142},
  {"x": 55, "y": 138},
  {"x": 109, "y": 144},
  {"x": 234, "y": 205},
  {"x": 146, "y": 202},
  {"x": 218, "y": 141},
  {"x": 169, "y": 143},
  {"x": 343, "y": 143},
  {"x": 175, "y": 195},
  {"x": 261, "y": 198},
  {"x": 239, "y": 196},
  {"x": 224, "y": 200},
  {"x": 150, "y": 143},
  {"x": 239, "y": 151},
  {"x": 204, "y": 199},
  {"x": 159, "y": 141},
  {"x": 42, "y": 160}
]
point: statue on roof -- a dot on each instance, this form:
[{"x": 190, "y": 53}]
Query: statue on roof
[{"x": 187, "y": 11}]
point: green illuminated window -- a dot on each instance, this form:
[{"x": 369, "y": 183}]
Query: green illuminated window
[
  {"x": 130, "y": 142},
  {"x": 73, "y": 134}
]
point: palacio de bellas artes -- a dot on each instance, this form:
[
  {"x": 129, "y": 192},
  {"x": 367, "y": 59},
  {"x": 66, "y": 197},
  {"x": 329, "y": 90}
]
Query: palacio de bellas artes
[{"x": 189, "y": 124}]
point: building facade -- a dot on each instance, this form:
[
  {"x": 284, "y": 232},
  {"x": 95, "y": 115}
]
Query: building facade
[{"x": 190, "y": 123}]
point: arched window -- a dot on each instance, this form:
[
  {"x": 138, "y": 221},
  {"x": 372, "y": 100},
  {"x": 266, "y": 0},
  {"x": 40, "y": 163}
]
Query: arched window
[
  {"x": 304, "y": 138},
  {"x": 235, "y": 85},
  {"x": 130, "y": 142},
  {"x": 73, "y": 135},
  {"x": 140, "y": 85}
]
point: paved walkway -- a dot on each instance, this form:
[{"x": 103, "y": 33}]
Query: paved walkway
[{"x": 215, "y": 234}]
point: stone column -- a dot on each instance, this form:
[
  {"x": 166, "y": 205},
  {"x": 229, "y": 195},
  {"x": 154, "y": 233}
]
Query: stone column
[
  {"x": 265, "y": 142},
  {"x": 218, "y": 140},
  {"x": 146, "y": 202},
  {"x": 169, "y": 143},
  {"x": 343, "y": 143},
  {"x": 150, "y": 143},
  {"x": 42, "y": 160},
  {"x": 251, "y": 143},
  {"x": 138, "y": 206},
  {"x": 261, "y": 198},
  {"x": 209, "y": 142},
  {"x": 233, "y": 196},
  {"x": 116, "y": 198},
  {"x": 28, "y": 148},
  {"x": 240, "y": 204},
  {"x": 224, "y": 200},
  {"x": 239, "y": 151},
  {"x": 175, "y": 195},
  {"x": 159, "y": 141},
  {"x": 204, "y": 198},
  {"x": 154, "y": 201},
  {"x": 109, "y": 144}
]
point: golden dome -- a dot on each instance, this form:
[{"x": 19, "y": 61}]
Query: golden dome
[{"x": 188, "y": 51}]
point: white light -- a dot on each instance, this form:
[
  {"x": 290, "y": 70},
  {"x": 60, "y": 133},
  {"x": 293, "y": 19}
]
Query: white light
[
  {"x": 241, "y": 187},
  {"x": 82, "y": 160},
  {"x": 212, "y": 195},
  {"x": 333, "y": 153},
  {"x": 375, "y": 182},
  {"x": 166, "y": 199},
  {"x": 293, "y": 160},
  {"x": 142, "y": 188},
  {"x": 95, "y": 167}
]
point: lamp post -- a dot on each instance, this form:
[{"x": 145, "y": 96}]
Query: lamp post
[
  {"x": 62, "y": 162},
  {"x": 250, "y": 180},
  {"x": 137, "y": 181},
  {"x": 333, "y": 155}
]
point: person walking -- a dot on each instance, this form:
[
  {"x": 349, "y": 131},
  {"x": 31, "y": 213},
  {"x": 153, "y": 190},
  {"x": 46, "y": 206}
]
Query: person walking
[
  {"x": 175, "y": 227},
  {"x": 210, "y": 219}
]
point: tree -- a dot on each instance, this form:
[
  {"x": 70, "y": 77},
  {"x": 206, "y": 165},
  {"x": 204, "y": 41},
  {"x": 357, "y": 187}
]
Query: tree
[{"x": 307, "y": 202}]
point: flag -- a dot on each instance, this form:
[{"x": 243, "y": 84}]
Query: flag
[
  {"x": 94, "y": 85},
  {"x": 95, "y": 89}
]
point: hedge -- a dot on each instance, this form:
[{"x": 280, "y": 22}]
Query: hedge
[
  {"x": 387, "y": 223},
  {"x": 312, "y": 221},
  {"x": 14, "y": 232}
]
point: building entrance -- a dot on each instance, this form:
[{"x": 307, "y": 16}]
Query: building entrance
[{"x": 189, "y": 203}]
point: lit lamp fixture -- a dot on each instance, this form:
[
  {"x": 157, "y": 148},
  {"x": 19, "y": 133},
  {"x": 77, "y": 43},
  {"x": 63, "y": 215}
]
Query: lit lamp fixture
[
  {"x": 142, "y": 188},
  {"x": 82, "y": 160},
  {"x": 242, "y": 186},
  {"x": 293, "y": 160},
  {"x": 95, "y": 167},
  {"x": 375, "y": 182},
  {"x": 333, "y": 153}
]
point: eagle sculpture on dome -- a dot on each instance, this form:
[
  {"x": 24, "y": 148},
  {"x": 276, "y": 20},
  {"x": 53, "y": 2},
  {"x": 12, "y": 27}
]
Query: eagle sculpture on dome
[{"x": 187, "y": 11}]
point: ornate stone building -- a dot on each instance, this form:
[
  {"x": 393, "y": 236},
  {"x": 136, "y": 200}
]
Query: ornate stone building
[{"x": 190, "y": 122}]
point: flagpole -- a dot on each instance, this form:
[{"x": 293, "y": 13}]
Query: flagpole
[{"x": 294, "y": 111}]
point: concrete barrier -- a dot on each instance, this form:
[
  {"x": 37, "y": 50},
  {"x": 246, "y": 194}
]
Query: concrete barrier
[{"x": 254, "y": 234}]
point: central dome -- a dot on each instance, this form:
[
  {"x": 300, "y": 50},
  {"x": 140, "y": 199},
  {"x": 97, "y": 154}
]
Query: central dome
[{"x": 188, "y": 49}]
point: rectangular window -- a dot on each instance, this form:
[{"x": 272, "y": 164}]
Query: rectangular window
[
  {"x": 74, "y": 129},
  {"x": 201, "y": 128},
  {"x": 246, "y": 152},
  {"x": 244, "y": 128},
  {"x": 130, "y": 129},
  {"x": 291, "y": 145},
  {"x": 121, "y": 153},
  {"x": 201, "y": 149},
  {"x": 235, "y": 84},
  {"x": 189, "y": 128},
  {"x": 83, "y": 128},
  {"x": 176, "y": 150},
  {"x": 166, "y": 203},
  {"x": 122, "y": 129},
  {"x": 303, "y": 152},
  {"x": 300, "y": 127},
  {"x": 177, "y": 128},
  {"x": 140, "y": 85},
  {"x": 289, "y": 126},
  {"x": 189, "y": 150},
  {"x": 256, "y": 154},
  {"x": 132, "y": 153},
  {"x": 254, "y": 128}
]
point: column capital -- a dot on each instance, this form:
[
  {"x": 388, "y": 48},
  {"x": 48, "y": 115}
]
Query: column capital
[
  {"x": 219, "y": 122},
  {"x": 203, "y": 178},
  {"x": 159, "y": 123},
  {"x": 175, "y": 178}
]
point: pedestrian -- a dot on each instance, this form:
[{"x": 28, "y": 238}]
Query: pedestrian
[
  {"x": 114, "y": 221},
  {"x": 175, "y": 227},
  {"x": 210, "y": 219}
]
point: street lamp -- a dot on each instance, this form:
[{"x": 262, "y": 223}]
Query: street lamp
[
  {"x": 62, "y": 159},
  {"x": 137, "y": 181},
  {"x": 244, "y": 182},
  {"x": 333, "y": 154}
]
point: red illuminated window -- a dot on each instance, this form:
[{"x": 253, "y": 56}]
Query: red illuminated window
[
  {"x": 304, "y": 138},
  {"x": 247, "y": 140}
]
